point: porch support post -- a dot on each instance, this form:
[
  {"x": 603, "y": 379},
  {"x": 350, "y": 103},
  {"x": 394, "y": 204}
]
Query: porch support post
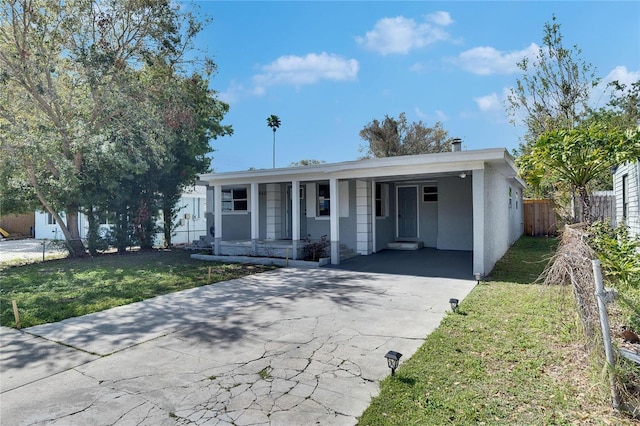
[
  {"x": 363, "y": 217},
  {"x": 217, "y": 218},
  {"x": 373, "y": 215},
  {"x": 478, "y": 192},
  {"x": 334, "y": 216},
  {"x": 255, "y": 217},
  {"x": 295, "y": 217}
]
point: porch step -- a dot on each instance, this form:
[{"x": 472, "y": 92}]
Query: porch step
[{"x": 405, "y": 245}]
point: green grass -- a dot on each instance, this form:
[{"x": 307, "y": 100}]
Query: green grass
[
  {"x": 511, "y": 355},
  {"x": 525, "y": 261},
  {"x": 55, "y": 290}
]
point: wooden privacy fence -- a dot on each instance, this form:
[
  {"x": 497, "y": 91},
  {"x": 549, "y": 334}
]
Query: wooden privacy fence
[
  {"x": 603, "y": 207},
  {"x": 539, "y": 217},
  {"x": 18, "y": 225}
]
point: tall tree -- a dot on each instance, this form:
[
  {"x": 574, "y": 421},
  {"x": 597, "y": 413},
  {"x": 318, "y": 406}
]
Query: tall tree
[
  {"x": 393, "y": 137},
  {"x": 192, "y": 117},
  {"x": 273, "y": 121},
  {"x": 576, "y": 157},
  {"x": 72, "y": 109},
  {"x": 554, "y": 89}
]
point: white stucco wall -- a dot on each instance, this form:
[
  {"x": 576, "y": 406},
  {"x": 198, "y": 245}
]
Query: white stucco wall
[
  {"x": 193, "y": 203},
  {"x": 497, "y": 223}
]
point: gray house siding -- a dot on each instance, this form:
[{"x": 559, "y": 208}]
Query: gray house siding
[
  {"x": 428, "y": 223},
  {"x": 348, "y": 225},
  {"x": 236, "y": 226},
  {"x": 386, "y": 225},
  {"x": 318, "y": 226},
  {"x": 455, "y": 214}
]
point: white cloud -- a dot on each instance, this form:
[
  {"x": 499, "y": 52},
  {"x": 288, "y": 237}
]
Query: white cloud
[
  {"x": 438, "y": 116},
  {"x": 400, "y": 34},
  {"x": 440, "y": 18},
  {"x": 417, "y": 67},
  {"x": 622, "y": 75},
  {"x": 301, "y": 70},
  {"x": 488, "y": 60},
  {"x": 421, "y": 115},
  {"x": 601, "y": 94},
  {"x": 488, "y": 103},
  {"x": 233, "y": 92},
  {"x": 441, "y": 116}
]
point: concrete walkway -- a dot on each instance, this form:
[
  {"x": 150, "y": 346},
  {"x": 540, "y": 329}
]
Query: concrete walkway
[{"x": 292, "y": 346}]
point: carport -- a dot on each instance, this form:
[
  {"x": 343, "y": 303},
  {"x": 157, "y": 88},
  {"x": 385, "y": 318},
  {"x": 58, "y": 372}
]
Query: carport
[{"x": 425, "y": 262}]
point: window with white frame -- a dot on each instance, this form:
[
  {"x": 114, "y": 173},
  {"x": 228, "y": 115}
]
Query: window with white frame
[
  {"x": 234, "y": 199},
  {"x": 625, "y": 196},
  {"x": 430, "y": 192},
  {"x": 106, "y": 218},
  {"x": 324, "y": 200},
  {"x": 50, "y": 219}
]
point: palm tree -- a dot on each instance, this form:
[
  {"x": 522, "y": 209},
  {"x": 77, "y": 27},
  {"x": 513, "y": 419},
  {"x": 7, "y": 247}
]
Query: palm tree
[{"x": 273, "y": 121}]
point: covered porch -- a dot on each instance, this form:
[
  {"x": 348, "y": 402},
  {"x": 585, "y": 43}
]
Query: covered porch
[{"x": 457, "y": 201}]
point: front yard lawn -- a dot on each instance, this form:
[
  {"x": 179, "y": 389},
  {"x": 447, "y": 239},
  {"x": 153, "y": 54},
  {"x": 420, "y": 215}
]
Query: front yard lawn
[{"x": 59, "y": 289}]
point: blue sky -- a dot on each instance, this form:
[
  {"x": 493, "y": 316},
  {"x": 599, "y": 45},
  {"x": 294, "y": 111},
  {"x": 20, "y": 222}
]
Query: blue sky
[{"x": 329, "y": 68}]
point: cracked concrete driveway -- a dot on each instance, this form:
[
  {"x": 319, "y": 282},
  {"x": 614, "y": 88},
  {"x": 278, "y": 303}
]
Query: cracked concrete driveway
[{"x": 288, "y": 347}]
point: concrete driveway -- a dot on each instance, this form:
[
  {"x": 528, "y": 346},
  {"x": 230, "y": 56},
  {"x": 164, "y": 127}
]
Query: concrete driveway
[{"x": 288, "y": 347}]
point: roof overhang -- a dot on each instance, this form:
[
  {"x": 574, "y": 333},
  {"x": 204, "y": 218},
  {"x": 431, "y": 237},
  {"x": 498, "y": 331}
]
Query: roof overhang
[{"x": 388, "y": 168}]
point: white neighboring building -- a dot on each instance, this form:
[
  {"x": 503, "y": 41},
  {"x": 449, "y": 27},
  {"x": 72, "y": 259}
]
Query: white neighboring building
[
  {"x": 191, "y": 221},
  {"x": 463, "y": 200},
  {"x": 626, "y": 185}
]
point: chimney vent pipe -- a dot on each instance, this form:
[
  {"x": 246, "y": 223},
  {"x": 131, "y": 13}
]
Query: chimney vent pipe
[{"x": 456, "y": 145}]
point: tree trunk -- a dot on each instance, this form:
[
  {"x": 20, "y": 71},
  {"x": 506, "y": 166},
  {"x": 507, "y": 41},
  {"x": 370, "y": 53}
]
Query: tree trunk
[
  {"x": 586, "y": 204},
  {"x": 167, "y": 213},
  {"x": 93, "y": 232},
  {"x": 76, "y": 246}
]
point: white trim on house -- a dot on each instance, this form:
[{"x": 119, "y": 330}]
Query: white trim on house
[{"x": 472, "y": 211}]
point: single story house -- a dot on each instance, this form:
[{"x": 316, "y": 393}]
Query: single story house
[
  {"x": 190, "y": 223},
  {"x": 459, "y": 200},
  {"x": 626, "y": 186}
]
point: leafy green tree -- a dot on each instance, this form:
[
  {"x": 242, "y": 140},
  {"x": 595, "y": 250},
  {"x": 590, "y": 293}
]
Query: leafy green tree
[
  {"x": 16, "y": 195},
  {"x": 303, "y": 163},
  {"x": 575, "y": 157},
  {"x": 273, "y": 121},
  {"x": 554, "y": 90},
  {"x": 393, "y": 137},
  {"x": 622, "y": 112},
  {"x": 75, "y": 111},
  {"x": 192, "y": 117}
]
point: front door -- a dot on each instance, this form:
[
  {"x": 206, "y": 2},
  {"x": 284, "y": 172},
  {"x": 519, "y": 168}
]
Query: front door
[{"x": 407, "y": 212}]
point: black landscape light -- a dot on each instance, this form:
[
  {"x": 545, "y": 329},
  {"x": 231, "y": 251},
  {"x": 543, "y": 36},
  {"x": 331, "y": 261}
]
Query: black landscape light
[
  {"x": 478, "y": 276},
  {"x": 392, "y": 360},
  {"x": 454, "y": 304}
]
